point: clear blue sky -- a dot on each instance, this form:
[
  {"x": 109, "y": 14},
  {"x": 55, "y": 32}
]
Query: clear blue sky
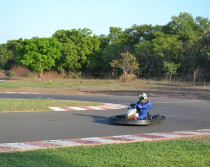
[{"x": 42, "y": 18}]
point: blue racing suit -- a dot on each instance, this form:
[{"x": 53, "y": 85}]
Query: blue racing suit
[{"x": 143, "y": 109}]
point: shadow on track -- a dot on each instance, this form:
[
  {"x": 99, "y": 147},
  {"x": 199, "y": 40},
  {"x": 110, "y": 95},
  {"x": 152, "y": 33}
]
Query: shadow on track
[
  {"x": 97, "y": 119},
  {"x": 103, "y": 120}
]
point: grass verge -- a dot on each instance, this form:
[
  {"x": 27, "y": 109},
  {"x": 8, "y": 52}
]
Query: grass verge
[
  {"x": 14, "y": 105},
  {"x": 185, "y": 152}
]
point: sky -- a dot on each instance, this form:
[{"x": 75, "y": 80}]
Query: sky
[{"x": 42, "y": 18}]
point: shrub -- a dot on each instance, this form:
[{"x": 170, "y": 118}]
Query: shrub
[
  {"x": 19, "y": 71},
  {"x": 127, "y": 77}
]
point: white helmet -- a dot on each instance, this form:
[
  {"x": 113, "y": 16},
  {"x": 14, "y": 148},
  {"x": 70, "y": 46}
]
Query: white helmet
[{"x": 142, "y": 97}]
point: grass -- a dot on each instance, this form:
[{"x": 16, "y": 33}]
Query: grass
[
  {"x": 13, "y": 105},
  {"x": 175, "y": 153}
]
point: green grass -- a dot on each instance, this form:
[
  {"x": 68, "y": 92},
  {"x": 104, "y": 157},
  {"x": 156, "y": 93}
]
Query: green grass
[
  {"x": 55, "y": 83},
  {"x": 19, "y": 84},
  {"x": 13, "y": 105},
  {"x": 177, "y": 153}
]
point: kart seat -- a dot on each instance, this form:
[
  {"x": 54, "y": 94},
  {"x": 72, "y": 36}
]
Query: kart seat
[{"x": 149, "y": 116}]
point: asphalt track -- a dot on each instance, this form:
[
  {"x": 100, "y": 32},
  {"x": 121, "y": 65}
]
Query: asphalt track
[{"x": 181, "y": 114}]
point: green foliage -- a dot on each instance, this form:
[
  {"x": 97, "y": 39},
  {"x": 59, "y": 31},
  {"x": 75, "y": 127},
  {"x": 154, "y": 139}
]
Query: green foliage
[
  {"x": 170, "y": 68},
  {"x": 78, "y": 45},
  {"x": 39, "y": 54},
  {"x": 97, "y": 61},
  {"x": 5, "y": 55},
  {"x": 11, "y": 74},
  {"x": 8, "y": 52},
  {"x": 208, "y": 53},
  {"x": 146, "y": 59},
  {"x": 183, "y": 25},
  {"x": 76, "y": 75},
  {"x": 166, "y": 46},
  {"x": 139, "y": 33},
  {"x": 115, "y": 34},
  {"x": 193, "y": 35}
]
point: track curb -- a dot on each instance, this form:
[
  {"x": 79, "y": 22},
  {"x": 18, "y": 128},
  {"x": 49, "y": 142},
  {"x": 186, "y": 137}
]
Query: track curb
[
  {"x": 105, "y": 106},
  {"x": 46, "y": 144}
]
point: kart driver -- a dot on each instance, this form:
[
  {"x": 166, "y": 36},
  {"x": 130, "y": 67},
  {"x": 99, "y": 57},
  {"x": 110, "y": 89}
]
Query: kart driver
[{"x": 143, "y": 106}]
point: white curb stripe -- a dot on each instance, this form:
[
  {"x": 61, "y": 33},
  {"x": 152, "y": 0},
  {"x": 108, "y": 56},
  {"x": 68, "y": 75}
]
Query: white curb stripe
[
  {"x": 77, "y": 108},
  {"x": 100, "y": 140},
  {"x": 62, "y": 143},
  {"x": 113, "y": 104},
  {"x": 188, "y": 132},
  {"x": 133, "y": 137},
  {"x": 95, "y": 108},
  {"x": 57, "y": 108},
  {"x": 20, "y": 145},
  {"x": 204, "y": 130},
  {"x": 104, "y": 107},
  {"x": 165, "y": 135}
]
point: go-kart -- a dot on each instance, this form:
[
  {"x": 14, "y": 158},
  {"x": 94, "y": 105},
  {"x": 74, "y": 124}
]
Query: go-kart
[{"x": 125, "y": 120}]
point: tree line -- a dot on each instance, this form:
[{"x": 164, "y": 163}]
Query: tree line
[{"x": 178, "y": 49}]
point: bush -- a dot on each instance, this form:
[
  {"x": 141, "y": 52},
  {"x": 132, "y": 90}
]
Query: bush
[
  {"x": 19, "y": 71},
  {"x": 51, "y": 75},
  {"x": 127, "y": 77},
  {"x": 73, "y": 75}
]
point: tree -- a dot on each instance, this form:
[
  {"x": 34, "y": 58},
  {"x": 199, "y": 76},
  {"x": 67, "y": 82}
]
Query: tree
[
  {"x": 208, "y": 53},
  {"x": 78, "y": 45},
  {"x": 39, "y": 54},
  {"x": 166, "y": 48},
  {"x": 170, "y": 68},
  {"x": 5, "y": 55},
  {"x": 13, "y": 46},
  {"x": 8, "y": 52},
  {"x": 97, "y": 62},
  {"x": 183, "y": 25},
  {"x": 147, "y": 60},
  {"x": 115, "y": 34},
  {"x": 138, "y": 33},
  {"x": 127, "y": 63},
  {"x": 191, "y": 34}
]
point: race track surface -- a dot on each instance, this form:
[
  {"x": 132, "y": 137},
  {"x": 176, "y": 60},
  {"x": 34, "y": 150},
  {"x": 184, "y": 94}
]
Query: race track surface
[{"x": 181, "y": 114}]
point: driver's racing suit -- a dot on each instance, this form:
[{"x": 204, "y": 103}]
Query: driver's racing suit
[{"x": 143, "y": 109}]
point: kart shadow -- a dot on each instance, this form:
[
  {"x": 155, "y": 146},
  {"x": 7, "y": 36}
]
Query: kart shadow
[
  {"x": 97, "y": 119},
  {"x": 102, "y": 120}
]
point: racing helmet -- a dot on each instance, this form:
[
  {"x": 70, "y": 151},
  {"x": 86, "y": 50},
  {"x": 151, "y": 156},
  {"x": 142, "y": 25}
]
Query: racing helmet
[{"x": 142, "y": 97}]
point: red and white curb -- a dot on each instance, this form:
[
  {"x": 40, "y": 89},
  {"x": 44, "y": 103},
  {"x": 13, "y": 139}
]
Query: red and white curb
[
  {"x": 24, "y": 146},
  {"x": 106, "y": 106}
]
